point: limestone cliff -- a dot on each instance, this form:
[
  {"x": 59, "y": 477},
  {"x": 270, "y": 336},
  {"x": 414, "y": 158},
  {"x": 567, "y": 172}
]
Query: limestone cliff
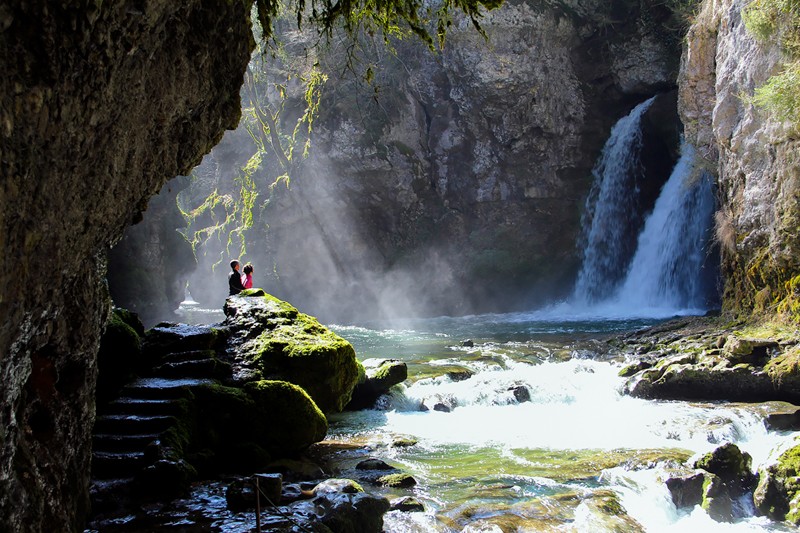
[
  {"x": 455, "y": 182},
  {"x": 100, "y": 102},
  {"x": 756, "y": 158}
]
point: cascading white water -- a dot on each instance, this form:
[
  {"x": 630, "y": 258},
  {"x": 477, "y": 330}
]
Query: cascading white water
[
  {"x": 611, "y": 216},
  {"x": 667, "y": 270}
]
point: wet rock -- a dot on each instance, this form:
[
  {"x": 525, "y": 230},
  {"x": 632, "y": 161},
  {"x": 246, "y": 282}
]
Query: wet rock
[
  {"x": 167, "y": 337},
  {"x": 731, "y": 466},
  {"x": 459, "y": 375},
  {"x": 633, "y": 368},
  {"x": 778, "y": 492},
  {"x": 716, "y": 499},
  {"x": 441, "y": 403},
  {"x": 120, "y": 356},
  {"x": 380, "y": 376},
  {"x": 789, "y": 420},
  {"x": 296, "y": 469},
  {"x": 286, "y": 345},
  {"x": 164, "y": 479},
  {"x": 269, "y": 486},
  {"x": 521, "y": 393},
  {"x": 373, "y": 464},
  {"x": 400, "y": 481},
  {"x": 351, "y": 513},
  {"x": 240, "y": 495},
  {"x": 686, "y": 491},
  {"x": 407, "y": 504},
  {"x": 746, "y": 350},
  {"x": 608, "y": 514},
  {"x": 468, "y": 343},
  {"x": 404, "y": 442},
  {"x": 336, "y": 485}
]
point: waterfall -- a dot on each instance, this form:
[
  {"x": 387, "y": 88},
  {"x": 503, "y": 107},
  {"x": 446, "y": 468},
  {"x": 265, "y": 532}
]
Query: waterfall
[
  {"x": 612, "y": 219},
  {"x": 669, "y": 269}
]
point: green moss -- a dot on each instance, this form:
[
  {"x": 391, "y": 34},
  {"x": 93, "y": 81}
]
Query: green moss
[
  {"x": 304, "y": 352},
  {"x": 784, "y": 365},
  {"x": 253, "y": 292},
  {"x": 362, "y": 374},
  {"x": 288, "y": 420},
  {"x": 119, "y": 358},
  {"x": 401, "y": 480}
]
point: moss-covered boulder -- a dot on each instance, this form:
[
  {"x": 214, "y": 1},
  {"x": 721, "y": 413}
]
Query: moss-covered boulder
[
  {"x": 778, "y": 493},
  {"x": 731, "y": 465},
  {"x": 273, "y": 340},
  {"x": 245, "y": 428},
  {"x": 119, "y": 357},
  {"x": 380, "y": 375},
  {"x": 717, "y": 499},
  {"x": 289, "y": 420}
]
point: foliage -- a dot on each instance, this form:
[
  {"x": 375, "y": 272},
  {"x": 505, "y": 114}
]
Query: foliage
[
  {"x": 386, "y": 17},
  {"x": 780, "y": 20}
]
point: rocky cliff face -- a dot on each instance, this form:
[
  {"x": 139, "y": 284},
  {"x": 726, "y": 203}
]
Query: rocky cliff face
[
  {"x": 456, "y": 182},
  {"x": 99, "y": 105},
  {"x": 755, "y": 156}
]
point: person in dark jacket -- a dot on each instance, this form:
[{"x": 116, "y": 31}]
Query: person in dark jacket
[{"x": 235, "y": 279}]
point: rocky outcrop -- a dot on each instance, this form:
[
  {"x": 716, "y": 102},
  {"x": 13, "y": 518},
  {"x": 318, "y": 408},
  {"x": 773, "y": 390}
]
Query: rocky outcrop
[
  {"x": 100, "y": 103},
  {"x": 380, "y": 375},
  {"x": 778, "y": 493},
  {"x": 272, "y": 340},
  {"x": 754, "y": 155},
  {"x": 455, "y": 183},
  {"x": 702, "y": 359}
]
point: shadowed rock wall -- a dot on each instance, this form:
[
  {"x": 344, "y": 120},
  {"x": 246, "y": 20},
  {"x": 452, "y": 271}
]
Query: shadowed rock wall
[
  {"x": 98, "y": 107},
  {"x": 755, "y": 156}
]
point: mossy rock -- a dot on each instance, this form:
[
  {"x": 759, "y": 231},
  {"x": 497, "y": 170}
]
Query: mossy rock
[
  {"x": 397, "y": 481},
  {"x": 119, "y": 358},
  {"x": 287, "y": 345},
  {"x": 778, "y": 493},
  {"x": 288, "y": 419}
]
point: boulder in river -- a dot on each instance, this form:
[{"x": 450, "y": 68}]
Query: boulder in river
[
  {"x": 686, "y": 491},
  {"x": 273, "y": 340},
  {"x": 379, "y": 376},
  {"x": 778, "y": 493}
]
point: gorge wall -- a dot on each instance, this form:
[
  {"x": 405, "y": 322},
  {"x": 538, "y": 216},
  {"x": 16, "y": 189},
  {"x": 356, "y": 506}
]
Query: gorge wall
[
  {"x": 455, "y": 182},
  {"x": 100, "y": 103},
  {"x": 757, "y": 159}
]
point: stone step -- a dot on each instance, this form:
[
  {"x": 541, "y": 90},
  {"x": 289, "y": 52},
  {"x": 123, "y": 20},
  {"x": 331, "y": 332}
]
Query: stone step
[
  {"x": 107, "y": 465},
  {"x": 191, "y": 355},
  {"x": 199, "y": 368},
  {"x": 110, "y": 495},
  {"x": 112, "y": 442},
  {"x": 132, "y": 424},
  {"x": 167, "y": 338},
  {"x": 162, "y": 388},
  {"x": 142, "y": 406}
]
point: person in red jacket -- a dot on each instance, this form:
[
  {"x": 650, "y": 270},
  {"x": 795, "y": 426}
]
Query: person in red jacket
[{"x": 247, "y": 277}]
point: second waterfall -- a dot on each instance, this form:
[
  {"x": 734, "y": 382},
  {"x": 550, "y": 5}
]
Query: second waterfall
[{"x": 655, "y": 262}]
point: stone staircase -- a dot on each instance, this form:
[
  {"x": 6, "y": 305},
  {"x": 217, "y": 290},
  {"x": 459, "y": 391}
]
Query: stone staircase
[{"x": 127, "y": 436}]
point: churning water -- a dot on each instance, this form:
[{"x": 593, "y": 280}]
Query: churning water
[
  {"x": 669, "y": 268},
  {"x": 495, "y": 463}
]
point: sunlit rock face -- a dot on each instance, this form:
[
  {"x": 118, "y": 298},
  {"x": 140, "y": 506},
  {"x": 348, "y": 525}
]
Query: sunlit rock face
[
  {"x": 755, "y": 156},
  {"x": 98, "y": 107},
  {"x": 455, "y": 183}
]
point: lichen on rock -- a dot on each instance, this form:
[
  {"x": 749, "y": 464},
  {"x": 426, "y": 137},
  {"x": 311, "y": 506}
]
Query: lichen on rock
[{"x": 274, "y": 340}]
